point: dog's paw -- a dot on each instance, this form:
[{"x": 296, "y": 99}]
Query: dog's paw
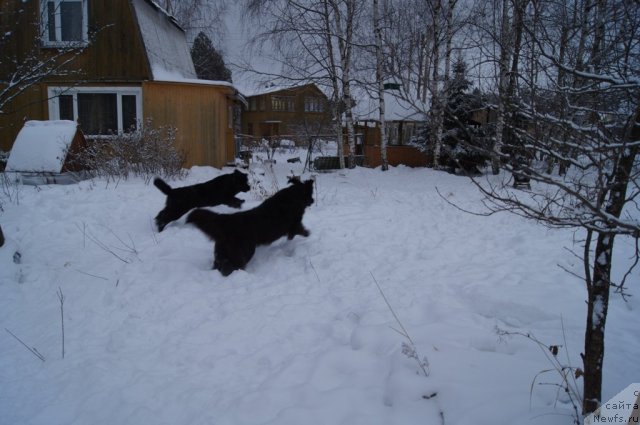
[{"x": 160, "y": 225}]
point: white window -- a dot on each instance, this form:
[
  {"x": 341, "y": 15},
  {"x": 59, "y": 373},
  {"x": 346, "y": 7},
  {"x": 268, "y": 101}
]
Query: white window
[
  {"x": 100, "y": 111},
  {"x": 64, "y": 22}
]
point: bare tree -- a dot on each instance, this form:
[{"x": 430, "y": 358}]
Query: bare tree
[
  {"x": 197, "y": 16},
  {"x": 587, "y": 102},
  {"x": 311, "y": 41}
]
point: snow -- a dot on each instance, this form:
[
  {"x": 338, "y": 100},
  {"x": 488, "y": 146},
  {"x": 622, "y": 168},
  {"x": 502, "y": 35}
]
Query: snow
[
  {"x": 303, "y": 335},
  {"x": 164, "y": 42},
  {"x": 41, "y": 146}
]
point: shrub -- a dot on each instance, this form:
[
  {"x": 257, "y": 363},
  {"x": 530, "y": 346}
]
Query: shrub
[{"x": 146, "y": 152}]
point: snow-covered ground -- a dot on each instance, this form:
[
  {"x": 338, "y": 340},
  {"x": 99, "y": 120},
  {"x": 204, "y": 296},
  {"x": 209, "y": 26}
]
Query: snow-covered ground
[{"x": 152, "y": 335}]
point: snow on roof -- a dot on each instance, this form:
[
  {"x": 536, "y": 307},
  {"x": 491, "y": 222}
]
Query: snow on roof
[
  {"x": 164, "y": 41},
  {"x": 173, "y": 78},
  {"x": 396, "y": 108},
  {"x": 258, "y": 91},
  {"x": 272, "y": 88},
  {"x": 41, "y": 146}
]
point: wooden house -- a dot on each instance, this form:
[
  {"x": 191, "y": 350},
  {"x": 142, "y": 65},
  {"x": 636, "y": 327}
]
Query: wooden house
[
  {"x": 293, "y": 113},
  {"x": 402, "y": 120},
  {"x": 128, "y": 64}
]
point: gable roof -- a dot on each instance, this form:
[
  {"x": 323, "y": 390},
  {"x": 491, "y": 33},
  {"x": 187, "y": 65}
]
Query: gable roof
[
  {"x": 275, "y": 88},
  {"x": 165, "y": 42}
]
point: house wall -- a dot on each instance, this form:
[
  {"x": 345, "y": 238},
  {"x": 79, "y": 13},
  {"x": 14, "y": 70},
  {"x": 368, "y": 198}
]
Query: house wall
[
  {"x": 265, "y": 122},
  {"x": 114, "y": 56},
  {"x": 200, "y": 112},
  {"x": 27, "y": 106},
  {"x": 396, "y": 155}
]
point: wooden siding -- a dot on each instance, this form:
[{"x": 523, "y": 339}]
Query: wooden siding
[
  {"x": 115, "y": 56},
  {"x": 396, "y": 155},
  {"x": 265, "y": 122},
  {"x": 28, "y": 106},
  {"x": 115, "y": 53},
  {"x": 200, "y": 114}
]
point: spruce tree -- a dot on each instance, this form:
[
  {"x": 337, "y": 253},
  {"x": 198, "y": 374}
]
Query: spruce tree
[
  {"x": 207, "y": 61},
  {"x": 462, "y": 137}
]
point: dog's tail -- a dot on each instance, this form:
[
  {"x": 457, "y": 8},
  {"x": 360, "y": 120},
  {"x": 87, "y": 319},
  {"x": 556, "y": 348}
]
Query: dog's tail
[
  {"x": 160, "y": 184},
  {"x": 205, "y": 220}
]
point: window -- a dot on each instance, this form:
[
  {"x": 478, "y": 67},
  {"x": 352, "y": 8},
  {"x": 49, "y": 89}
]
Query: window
[
  {"x": 282, "y": 104},
  {"x": 392, "y": 133},
  {"x": 64, "y": 22},
  {"x": 313, "y": 104},
  {"x": 100, "y": 111}
]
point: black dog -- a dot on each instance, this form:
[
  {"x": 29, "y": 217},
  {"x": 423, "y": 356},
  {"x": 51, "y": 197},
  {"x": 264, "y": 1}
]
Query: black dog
[
  {"x": 221, "y": 190},
  {"x": 237, "y": 235}
]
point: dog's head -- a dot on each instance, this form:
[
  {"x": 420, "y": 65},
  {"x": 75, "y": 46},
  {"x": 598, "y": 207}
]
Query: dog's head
[
  {"x": 241, "y": 181},
  {"x": 307, "y": 191}
]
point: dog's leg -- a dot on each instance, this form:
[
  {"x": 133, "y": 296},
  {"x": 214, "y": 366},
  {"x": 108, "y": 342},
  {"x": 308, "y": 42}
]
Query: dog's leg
[
  {"x": 235, "y": 202},
  {"x": 161, "y": 221},
  {"x": 229, "y": 257},
  {"x": 171, "y": 212},
  {"x": 299, "y": 229}
]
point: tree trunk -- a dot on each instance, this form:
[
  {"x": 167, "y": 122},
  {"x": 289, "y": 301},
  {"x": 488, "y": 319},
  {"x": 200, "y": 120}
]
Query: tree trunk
[
  {"x": 598, "y": 291},
  {"x": 333, "y": 71},
  {"x": 436, "y": 103},
  {"x": 345, "y": 41},
  {"x": 503, "y": 81},
  {"x": 351, "y": 134},
  {"x": 380, "y": 82},
  {"x": 597, "y": 306}
]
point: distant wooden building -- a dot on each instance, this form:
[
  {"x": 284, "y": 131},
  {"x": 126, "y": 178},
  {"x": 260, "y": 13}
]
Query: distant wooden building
[
  {"x": 286, "y": 113},
  {"x": 134, "y": 65},
  {"x": 403, "y": 120}
]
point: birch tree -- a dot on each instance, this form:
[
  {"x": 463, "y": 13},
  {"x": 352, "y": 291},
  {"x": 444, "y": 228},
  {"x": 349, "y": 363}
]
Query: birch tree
[
  {"x": 599, "y": 122},
  {"x": 312, "y": 41},
  {"x": 377, "y": 28}
]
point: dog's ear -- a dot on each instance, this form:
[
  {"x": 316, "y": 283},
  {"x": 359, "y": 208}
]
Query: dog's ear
[{"x": 293, "y": 179}]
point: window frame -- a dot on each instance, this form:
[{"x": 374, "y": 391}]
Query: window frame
[
  {"x": 54, "y": 104},
  {"x": 44, "y": 19},
  {"x": 281, "y": 103},
  {"x": 314, "y": 104}
]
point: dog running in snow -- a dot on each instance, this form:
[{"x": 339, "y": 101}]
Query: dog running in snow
[
  {"x": 217, "y": 191},
  {"x": 237, "y": 235}
]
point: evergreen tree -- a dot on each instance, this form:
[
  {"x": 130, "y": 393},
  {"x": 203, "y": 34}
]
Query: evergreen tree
[
  {"x": 207, "y": 61},
  {"x": 463, "y": 139},
  {"x": 459, "y": 102}
]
